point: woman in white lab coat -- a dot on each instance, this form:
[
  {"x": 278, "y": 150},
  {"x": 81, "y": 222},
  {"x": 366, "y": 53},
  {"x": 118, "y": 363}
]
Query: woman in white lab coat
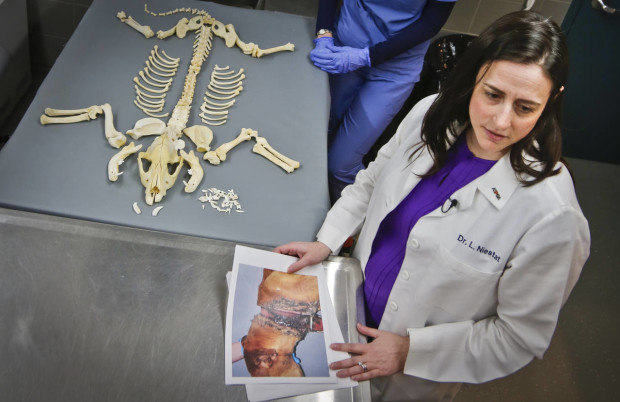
[{"x": 470, "y": 234}]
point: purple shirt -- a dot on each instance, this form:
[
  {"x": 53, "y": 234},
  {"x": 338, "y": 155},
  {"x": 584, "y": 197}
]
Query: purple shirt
[{"x": 389, "y": 245}]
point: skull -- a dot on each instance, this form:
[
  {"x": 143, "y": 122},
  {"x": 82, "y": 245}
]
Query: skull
[{"x": 162, "y": 173}]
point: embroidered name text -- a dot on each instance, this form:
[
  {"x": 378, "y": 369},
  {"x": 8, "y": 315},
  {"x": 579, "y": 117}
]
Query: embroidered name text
[{"x": 479, "y": 249}]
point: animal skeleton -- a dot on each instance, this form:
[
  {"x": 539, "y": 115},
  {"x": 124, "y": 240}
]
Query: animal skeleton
[{"x": 165, "y": 154}]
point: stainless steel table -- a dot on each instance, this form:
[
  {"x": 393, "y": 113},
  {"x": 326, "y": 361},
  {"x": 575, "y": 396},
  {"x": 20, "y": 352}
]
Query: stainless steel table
[
  {"x": 92, "y": 311},
  {"x": 62, "y": 169}
]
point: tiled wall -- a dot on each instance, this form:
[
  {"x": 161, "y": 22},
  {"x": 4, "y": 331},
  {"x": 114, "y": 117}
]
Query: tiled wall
[{"x": 52, "y": 22}]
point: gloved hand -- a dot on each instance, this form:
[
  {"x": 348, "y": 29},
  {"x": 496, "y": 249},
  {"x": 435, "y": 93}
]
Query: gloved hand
[
  {"x": 320, "y": 44},
  {"x": 340, "y": 59},
  {"x": 323, "y": 42}
]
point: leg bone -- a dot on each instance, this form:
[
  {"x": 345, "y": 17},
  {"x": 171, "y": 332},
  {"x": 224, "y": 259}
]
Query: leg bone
[
  {"x": 263, "y": 148},
  {"x": 143, "y": 29},
  {"x": 67, "y": 119},
  {"x": 253, "y": 49},
  {"x": 92, "y": 111},
  {"x": 115, "y": 137},
  {"x": 223, "y": 149}
]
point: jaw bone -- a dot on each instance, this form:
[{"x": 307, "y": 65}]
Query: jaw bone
[
  {"x": 195, "y": 171},
  {"x": 119, "y": 158}
]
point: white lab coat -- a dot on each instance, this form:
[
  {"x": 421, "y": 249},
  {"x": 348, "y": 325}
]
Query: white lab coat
[{"x": 481, "y": 286}]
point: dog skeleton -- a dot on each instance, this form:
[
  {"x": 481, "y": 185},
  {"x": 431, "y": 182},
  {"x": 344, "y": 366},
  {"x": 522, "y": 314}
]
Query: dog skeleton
[{"x": 165, "y": 154}]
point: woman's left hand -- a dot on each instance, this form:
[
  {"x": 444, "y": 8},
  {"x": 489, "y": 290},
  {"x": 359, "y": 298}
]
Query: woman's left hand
[{"x": 384, "y": 356}]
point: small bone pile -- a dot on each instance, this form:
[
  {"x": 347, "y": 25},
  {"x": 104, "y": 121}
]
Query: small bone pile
[
  {"x": 157, "y": 76},
  {"x": 220, "y": 200},
  {"x": 225, "y": 85},
  {"x": 261, "y": 147}
]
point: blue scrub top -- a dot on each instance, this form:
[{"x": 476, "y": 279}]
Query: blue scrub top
[{"x": 363, "y": 23}]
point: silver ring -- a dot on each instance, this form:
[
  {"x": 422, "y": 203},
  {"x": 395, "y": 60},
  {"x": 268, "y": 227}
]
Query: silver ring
[{"x": 363, "y": 366}]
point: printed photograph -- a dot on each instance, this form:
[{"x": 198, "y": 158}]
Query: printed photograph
[{"x": 277, "y": 327}]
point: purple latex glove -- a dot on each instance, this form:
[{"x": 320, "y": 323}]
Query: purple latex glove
[
  {"x": 340, "y": 59},
  {"x": 322, "y": 43}
]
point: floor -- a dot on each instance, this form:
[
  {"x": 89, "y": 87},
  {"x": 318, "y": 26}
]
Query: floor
[{"x": 583, "y": 361}]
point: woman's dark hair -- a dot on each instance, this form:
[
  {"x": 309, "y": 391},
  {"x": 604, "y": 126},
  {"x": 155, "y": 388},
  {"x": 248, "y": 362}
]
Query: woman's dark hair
[{"x": 522, "y": 37}]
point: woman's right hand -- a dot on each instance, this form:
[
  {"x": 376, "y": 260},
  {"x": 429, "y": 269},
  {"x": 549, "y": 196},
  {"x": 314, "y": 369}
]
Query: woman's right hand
[
  {"x": 309, "y": 253},
  {"x": 322, "y": 44}
]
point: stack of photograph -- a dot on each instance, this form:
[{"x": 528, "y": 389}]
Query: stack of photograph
[{"x": 279, "y": 327}]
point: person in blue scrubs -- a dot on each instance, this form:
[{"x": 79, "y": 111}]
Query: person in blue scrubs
[{"x": 373, "y": 51}]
